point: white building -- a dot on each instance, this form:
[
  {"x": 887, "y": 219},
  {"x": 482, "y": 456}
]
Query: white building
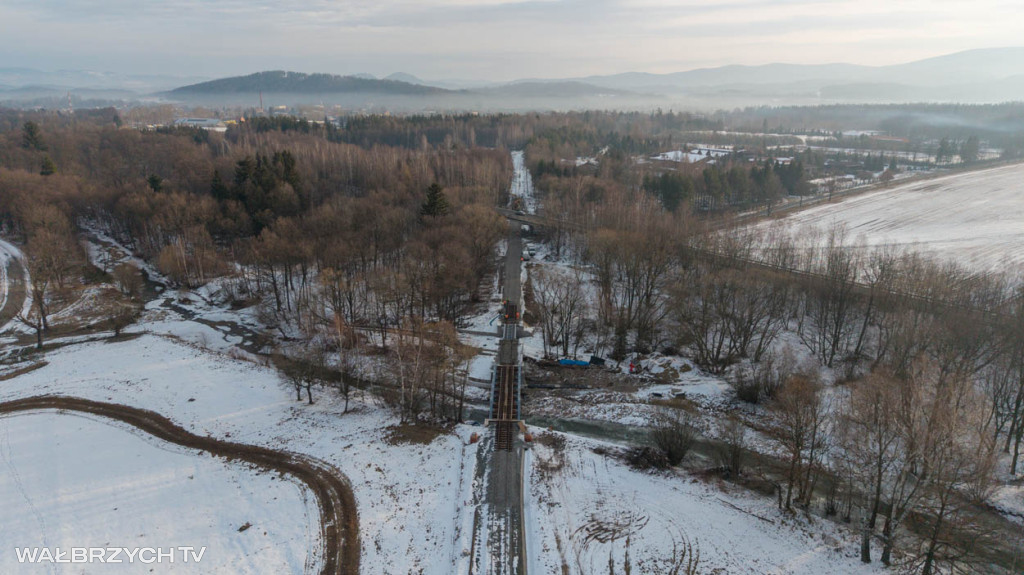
[{"x": 212, "y": 124}]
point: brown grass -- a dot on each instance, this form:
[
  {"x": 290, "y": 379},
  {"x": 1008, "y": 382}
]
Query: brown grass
[
  {"x": 676, "y": 403},
  {"x": 409, "y": 434}
]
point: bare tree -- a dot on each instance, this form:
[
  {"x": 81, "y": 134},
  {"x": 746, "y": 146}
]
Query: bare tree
[
  {"x": 702, "y": 310},
  {"x": 828, "y": 315},
  {"x": 803, "y": 435},
  {"x": 561, "y": 300},
  {"x": 305, "y": 369},
  {"x": 632, "y": 264},
  {"x": 412, "y": 357},
  {"x": 128, "y": 280},
  {"x": 1006, "y": 383},
  {"x": 957, "y": 466},
  {"x": 49, "y": 255},
  {"x": 122, "y": 313},
  {"x": 347, "y": 342},
  {"x": 873, "y": 440}
]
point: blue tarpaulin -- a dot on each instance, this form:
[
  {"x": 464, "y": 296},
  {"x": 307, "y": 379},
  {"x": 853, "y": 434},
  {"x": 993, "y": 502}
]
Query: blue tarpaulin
[{"x": 572, "y": 362}]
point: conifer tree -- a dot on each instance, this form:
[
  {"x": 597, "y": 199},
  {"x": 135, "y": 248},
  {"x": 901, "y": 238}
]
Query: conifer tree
[
  {"x": 47, "y": 168},
  {"x": 31, "y": 137},
  {"x": 218, "y": 189},
  {"x": 436, "y": 204}
]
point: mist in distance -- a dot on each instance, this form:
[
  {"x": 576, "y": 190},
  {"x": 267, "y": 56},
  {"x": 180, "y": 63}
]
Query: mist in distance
[{"x": 516, "y": 55}]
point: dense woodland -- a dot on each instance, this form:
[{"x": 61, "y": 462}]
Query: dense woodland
[{"x": 381, "y": 233}]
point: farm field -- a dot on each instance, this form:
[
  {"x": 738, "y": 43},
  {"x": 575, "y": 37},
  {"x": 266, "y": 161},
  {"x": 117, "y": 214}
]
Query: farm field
[
  {"x": 71, "y": 480},
  {"x": 974, "y": 218},
  {"x": 404, "y": 525},
  {"x": 591, "y": 514}
]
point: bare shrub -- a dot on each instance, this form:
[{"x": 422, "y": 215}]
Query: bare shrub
[
  {"x": 733, "y": 436},
  {"x": 674, "y": 435},
  {"x": 643, "y": 458},
  {"x": 128, "y": 280},
  {"x": 745, "y": 386},
  {"x": 123, "y": 315},
  {"x": 763, "y": 380}
]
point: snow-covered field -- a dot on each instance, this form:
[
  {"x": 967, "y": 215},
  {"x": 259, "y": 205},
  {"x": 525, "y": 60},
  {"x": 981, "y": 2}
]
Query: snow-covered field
[
  {"x": 592, "y": 514},
  {"x": 974, "y": 218},
  {"x": 74, "y": 481},
  {"x": 410, "y": 497},
  {"x": 691, "y": 157}
]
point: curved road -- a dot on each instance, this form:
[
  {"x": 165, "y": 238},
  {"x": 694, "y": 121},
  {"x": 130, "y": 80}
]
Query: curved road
[{"x": 339, "y": 522}]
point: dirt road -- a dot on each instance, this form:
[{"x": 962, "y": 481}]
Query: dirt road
[{"x": 339, "y": 521}]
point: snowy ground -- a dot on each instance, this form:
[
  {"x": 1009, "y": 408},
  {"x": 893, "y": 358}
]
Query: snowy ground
[
  {"x": 410, "y": 497},
  {"x": 663, "y": 378},
  {"x": 974, "y": 218},
  {"x": 1009, "y": 499},
  {"x": 693, "y": 156},
  {"x": 69, "y": 480},
  {"x": 590, "y": 514}
]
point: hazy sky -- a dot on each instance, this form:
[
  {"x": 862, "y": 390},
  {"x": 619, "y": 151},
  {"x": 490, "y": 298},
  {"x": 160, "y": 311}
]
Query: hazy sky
[{"x": 488, "y": 39}]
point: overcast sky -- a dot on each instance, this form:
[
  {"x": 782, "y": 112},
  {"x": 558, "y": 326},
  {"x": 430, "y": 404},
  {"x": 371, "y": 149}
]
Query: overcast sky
[{"x": 489, "y": 39}]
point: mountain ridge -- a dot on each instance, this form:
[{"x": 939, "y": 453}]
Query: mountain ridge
[{"x": 281, "y": 82}]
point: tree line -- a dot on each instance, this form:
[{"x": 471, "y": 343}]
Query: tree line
[{"x": 927, "y": 358}]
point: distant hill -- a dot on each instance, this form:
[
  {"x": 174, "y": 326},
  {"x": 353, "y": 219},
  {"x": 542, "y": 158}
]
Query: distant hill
[
  {"x": 74, "y": 79},
  {"x": 1003, "y": 90},
  {"x": 407, "y": 78},
  {"x": 282, "y": 82},
  {"x": 973, "y": 75},
  {"x": 961, "y": 67},
  {"x": 398, "y": 90},
  {"x": 63, "y": 91},
  {"x": 565, "y": 89}
]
